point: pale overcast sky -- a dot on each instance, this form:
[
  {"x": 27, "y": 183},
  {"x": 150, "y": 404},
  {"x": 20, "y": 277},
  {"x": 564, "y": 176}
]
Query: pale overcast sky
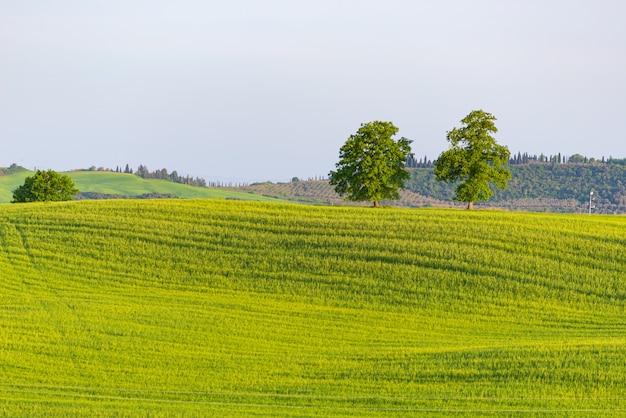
[{"x": 248, "y": 90}]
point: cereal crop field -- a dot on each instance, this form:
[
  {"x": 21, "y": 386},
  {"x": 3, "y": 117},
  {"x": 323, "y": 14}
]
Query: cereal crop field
[{"x": 231, "y": 308}]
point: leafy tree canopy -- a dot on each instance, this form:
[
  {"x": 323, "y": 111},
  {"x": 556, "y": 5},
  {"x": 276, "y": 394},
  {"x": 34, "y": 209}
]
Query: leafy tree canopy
[
  {"x": 45, "y": 186},
  {"x": 474, "y": 159},
  {"x": 371, "y": 164},
  {"x": 577, "y": 158}
]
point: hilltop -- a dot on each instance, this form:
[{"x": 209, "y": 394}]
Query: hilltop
[
  {"x": 534, "y": 187},
  {"x": 545, "y": 187},
  {"x": 112, "y": 185},
  {"x": 228, "y": 308},
  {"x": 322, "y": 193}
]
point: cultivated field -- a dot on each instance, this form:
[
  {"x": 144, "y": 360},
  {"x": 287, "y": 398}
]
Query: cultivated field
[{"x": 223, "y": 308}]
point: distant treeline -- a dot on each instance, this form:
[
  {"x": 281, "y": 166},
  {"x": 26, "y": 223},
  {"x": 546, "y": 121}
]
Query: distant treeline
[
  {"x": 561, "y": 159},
  {"x": 162, "y": 174},
  {"x": 572, "y": 180},
  {"x": 526, "y": 158},
  {"x": 143, "y": 172}
]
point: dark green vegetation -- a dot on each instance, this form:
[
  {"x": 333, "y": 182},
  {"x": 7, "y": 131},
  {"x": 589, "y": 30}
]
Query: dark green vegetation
[
  {"x": 546, "y": 187},
  {"x": 216, "y": 308},
  {"x": 535, "y": 186},
  {"x": 45, "y": 186},
  {"x": 144, "y": 173},
  {"x": 371, "y": 164},
  {"x": 474, "y": 160}
]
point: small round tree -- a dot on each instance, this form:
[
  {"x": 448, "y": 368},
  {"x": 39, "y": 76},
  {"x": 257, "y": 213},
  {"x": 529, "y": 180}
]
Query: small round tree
[
  {"x": 371, "y": 164},
  {"x": 45, "y": 186}
]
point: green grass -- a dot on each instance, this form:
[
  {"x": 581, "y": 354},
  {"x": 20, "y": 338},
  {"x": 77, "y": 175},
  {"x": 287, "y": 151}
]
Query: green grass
[
  {"x": 216, "y": 308},
  {"x": 10, "y": 182},
  {"x": 129, "y": 185}
]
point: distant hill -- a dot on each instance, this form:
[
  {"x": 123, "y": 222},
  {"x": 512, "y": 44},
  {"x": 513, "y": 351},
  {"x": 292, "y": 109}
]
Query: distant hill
[
  {"x": 534, "y": 187},
  {"x": 111, "y": 185},
  {"x": 544, "y": 187},
  {"x": 322, "y": 193},
  {"x": 13, "y": 169}
]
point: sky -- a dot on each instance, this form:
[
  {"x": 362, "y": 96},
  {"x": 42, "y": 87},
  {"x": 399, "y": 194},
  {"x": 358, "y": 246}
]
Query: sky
[{"x": 249, "y": 91}]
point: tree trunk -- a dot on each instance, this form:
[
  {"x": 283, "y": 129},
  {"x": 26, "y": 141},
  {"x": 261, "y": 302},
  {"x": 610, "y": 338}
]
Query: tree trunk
[
  {"x": 376, "y": 205},
  {"x": 470, "y": 205}
]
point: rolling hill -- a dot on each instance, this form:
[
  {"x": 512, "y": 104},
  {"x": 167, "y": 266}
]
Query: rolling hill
[
  {"x": 534, "y": 187},
  {"x": 544, "y": 187},
  {"x": 104, "y": 184},
  {"x": 228, "y": 308}
]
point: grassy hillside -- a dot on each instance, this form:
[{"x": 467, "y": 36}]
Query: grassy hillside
[
  {"x": 220, "y": 308},
  {"x": 9, "y": 182},
  {"x": 321, "y": 192},
  {"x": 128, "y": 185}
]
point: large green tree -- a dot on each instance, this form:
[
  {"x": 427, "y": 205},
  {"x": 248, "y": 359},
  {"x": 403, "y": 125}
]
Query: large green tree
[
  {"x": 474, "y": 159},
  {"x": 371, "y": 164},
  {"x": 45, "y": 186}
]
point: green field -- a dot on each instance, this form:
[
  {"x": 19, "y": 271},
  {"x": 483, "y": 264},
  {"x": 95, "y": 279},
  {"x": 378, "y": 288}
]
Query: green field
[
  {"x": 225, "y": 308},
  {"x": 129, "y": 185}
]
